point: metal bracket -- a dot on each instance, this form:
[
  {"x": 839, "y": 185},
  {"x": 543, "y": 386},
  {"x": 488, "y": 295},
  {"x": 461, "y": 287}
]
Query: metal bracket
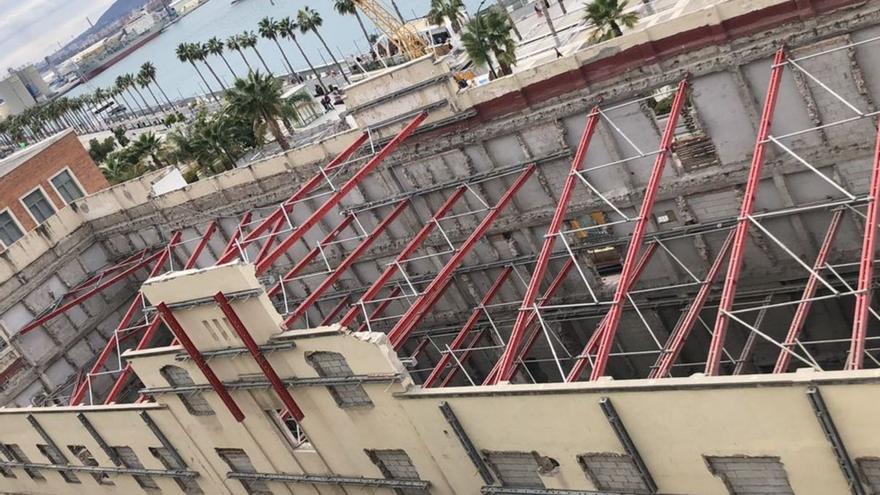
[
  {"x": 628, "y": 445},
  {"x": 111, "y": 453},
  {"x": 501, "y": 490},
  {"x": 466, "y": 443},
  {"x": 46, "y": 438},
  {"x": 181, "y": 464},
  {"x": 330, "y": 480},
  {"x": 826, "y": 422}
]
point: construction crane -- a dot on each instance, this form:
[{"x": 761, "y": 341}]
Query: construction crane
[{"x": 404, "y": 37}]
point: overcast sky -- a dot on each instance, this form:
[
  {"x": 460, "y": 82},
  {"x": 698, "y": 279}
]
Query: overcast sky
[{"x": 31, "y": 29}]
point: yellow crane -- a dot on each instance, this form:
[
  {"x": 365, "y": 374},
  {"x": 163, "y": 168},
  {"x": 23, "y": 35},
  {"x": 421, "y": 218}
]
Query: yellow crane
[{"x": 404, "y": 37}]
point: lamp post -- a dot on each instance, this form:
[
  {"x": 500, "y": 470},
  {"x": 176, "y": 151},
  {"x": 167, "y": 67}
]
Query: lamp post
[{"x": 477, "y": 22}]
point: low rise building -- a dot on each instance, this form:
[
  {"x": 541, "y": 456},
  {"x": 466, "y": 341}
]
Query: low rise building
[{"x": 21, "y": 89}]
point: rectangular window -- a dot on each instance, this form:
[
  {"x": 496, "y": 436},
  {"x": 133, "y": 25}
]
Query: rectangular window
[
  {"x": 15, "y": 454},
  {"x": 613, "y": 472},
  {"x": 395, "y": 464},
  {"x": 239, "y": 462},
  {"x": 9, "y": 229},
  {"x": 869, "y": 468},
  {"x": 39, "y": 206},
  {"x": 130, "y": 460},
  {"x": 189, "y": 485},
  {"x": 87, "y": 459},
  {"x": 58, "y": 459},
  {"x": 334, "y": 365},
  {"x": 194, "y": 401},
  {"x": 515, "y": 469},
  {"x": 749, "y": 475},
  {"x": 67, "y": 187}
]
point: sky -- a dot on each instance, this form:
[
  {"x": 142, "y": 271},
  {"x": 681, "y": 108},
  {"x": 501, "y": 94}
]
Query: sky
[{"x": 31, "y": 29}]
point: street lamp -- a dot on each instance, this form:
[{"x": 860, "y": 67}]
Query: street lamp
[{"x": 477, "y": 21}]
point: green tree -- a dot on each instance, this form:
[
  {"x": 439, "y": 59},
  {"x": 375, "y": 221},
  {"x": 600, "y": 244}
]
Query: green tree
[
  {"x": 123, "y": 86},
  {"x": 442, "y": 10},
  {"x": 348, "y": 7},
  {"x": 200, "y": 52},
  {"x": 185, "y": 53},
  {"x": 150, "y": 145},
  {"x": 99, "y": 150},
  {"x": 489, "y": 34},
  {"x": 115, "y": 170},
  {"x": 248, "y": 39},
  {"x": 131, "y": 82},
  {"x": 259, "y": 99},
  {"x": 232, "y": 43},
  {"x": 121, "y": 138},
  {"x": 308, "y": 19},
  {"x": 215, "y": 47},
  {"x": 269, "y": 29},
  {"x": 608, "y": 16},
  {"x": 145, "y": 82},
  {"x": 288, "y": 28},
  {"x": 148, "y": 70}
]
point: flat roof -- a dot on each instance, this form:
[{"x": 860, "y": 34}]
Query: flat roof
[{"x": 18, "y": 158}]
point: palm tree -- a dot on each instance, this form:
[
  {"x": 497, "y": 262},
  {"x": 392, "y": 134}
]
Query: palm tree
[
  {"x": 144, "y": 82},
  {"x": 148, "y": 144},
  {"x": 562, "y": 6},
  {"x": 546, "y": 14},
  {"x": 308, "y": 19},
  {"x": 200, "y": 52},
  {"x": 269, "y": 29},
  {"x": 114, "y": 169},
  {"x": 608, "y": 16},
  {"x": 259, "y": 98},
  {"x": 288, "y": 28},
  {"x": 490, "y": 31},
  {"x": 233, "y": 43},
  {"x": 441, "y": 10},
  {"x": 123, "y": 84},
  {"x": 249, "y": 40},
  {"x": 215, "y": 47},
  {"x": 348, "y": 7},
  {"x": 185, "y": 53},
  {"x": 131, "y": 82},
  {"x": 148, "y": 70}
]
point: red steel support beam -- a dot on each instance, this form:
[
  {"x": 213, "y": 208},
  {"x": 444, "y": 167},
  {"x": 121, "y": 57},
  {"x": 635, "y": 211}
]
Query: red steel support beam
[
  {"x": 464, "y": 357},
  {"x": 492, "y": 378},
  {"x": 103, "y": 273},
  {"x": 508, "y": 358},
  {"x": 407, "y": 251},
  {"x": 803, "y": 308},
  {"x": 336, "y": 310},
  {"x": 233, "y": 239},
  {"x": 420, "y": 307},
  {"x": 380, "y": 308},
  {"x": 340, "y": 193},
  {"x": 638, "y": 235},
  {"x": 199, "y": 360},
  {"x": 267, "y": 244},
  {"x": 682, "y": 330},
  {"x": 311, "y": 255},
  {"x": 423, "y": 344},
  {"x": 203, "y": 242},
  {"x": 581, "y": 362},
  {"x": 346, "y": 263},
  {"x": 468, "y": 326},
  {"x": 866, "y": 268},
  {"x": 231, "y": 252},
  {"x": 246, "y": 338},
  {"x": 135, "y": 306},
  {"x": 738, "y": 248}
]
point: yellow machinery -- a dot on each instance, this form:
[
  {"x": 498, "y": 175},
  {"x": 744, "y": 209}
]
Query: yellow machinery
[{"x": 404, "y": 37}]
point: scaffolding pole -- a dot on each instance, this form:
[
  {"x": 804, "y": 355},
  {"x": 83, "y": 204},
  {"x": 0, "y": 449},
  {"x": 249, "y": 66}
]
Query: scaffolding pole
[
  {"x": 738, "y": 246},
  {"x": 402, "y": 330},
  {"x": 340, "y": 193}
]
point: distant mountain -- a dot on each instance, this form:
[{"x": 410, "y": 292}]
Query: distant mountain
[{"x": 118, "y": 10}]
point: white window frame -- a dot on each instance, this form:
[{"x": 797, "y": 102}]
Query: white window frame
[
  {"x": 28, "y": 210},
  {"x": 75, "y": 181},
  {"x": 15, "y": 220}
]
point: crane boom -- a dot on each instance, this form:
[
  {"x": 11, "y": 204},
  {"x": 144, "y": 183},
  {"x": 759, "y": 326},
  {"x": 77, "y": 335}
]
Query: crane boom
[{"x": 404, "y": 37}]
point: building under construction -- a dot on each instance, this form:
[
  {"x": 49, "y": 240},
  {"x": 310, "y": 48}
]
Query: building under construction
[{"x": 642, "y": 268}]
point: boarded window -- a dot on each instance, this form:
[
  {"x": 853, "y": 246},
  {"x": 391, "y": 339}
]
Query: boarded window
[
  {"x": 15, "y": 454},
  {"x": 869, "y": 470},
  {"x": 515, "y": 469},
  {"x": 38, "y": 205},
  {"x": 613, "y": 472},
  {"x": 57, "y": 458},
  {"x": 333, "y": 365},
  {"x": 239, "y": 462},
  {"x": 87, "y": 459},
  {"x": 9, "y": 230},
  {"x": 396, "y": 465},
  {"x": 130, "y": 460},
  {"x": 194, "y": 401},
  {"x": 5, "y": 471},
  {"x": 189, "y": 485},
  {"x": 67, "y": 187},
  {"x": 751, "y": 475}
]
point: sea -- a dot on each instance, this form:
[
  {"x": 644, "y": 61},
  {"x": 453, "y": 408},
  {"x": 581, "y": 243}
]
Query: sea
[{"x": 223, "y": 18}]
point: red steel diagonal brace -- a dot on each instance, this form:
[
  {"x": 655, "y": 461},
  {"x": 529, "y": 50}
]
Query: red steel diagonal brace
[
  {"x": 346, "y": 263},
  {"x": 407, "y": 251},
  {"x": 336, "y": 310},
  {"x": 468, "y": 325},
  {"x": 380, "y": 308},
  {"x": 340, "y": 193},
  {"x": 199, "y": 360},
  {"x": 635, "y": 243},
  {"x": 519, "y": 327},
  {"x": 245, "y": 336},
  {"x": 803, "y": 308},
  {"x": 738, "y": 248},
  {"x": 402, "y": 330},
  {"x": 231, "y": 252},
  {"x": 233, "y": 239},
  {"x": 682, "y": 330},
  {"x": 866, "y": 268}
]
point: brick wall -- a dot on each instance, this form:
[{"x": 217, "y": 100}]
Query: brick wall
[{"x": 66, "y": 152}]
